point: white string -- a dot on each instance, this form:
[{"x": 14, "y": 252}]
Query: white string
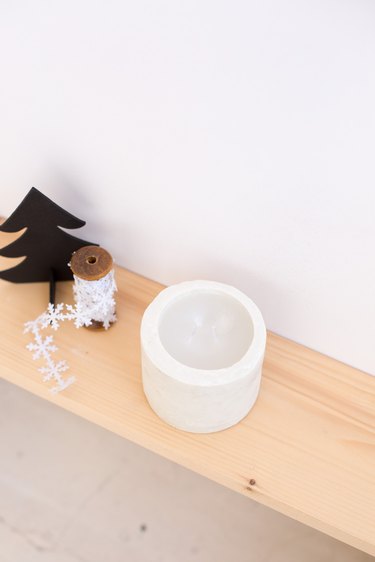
[{"x": 94, "y": 301}]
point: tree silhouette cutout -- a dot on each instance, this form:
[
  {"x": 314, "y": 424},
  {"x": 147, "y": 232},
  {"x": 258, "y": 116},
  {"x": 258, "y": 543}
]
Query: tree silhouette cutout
[{"x": 47, "y": 248}]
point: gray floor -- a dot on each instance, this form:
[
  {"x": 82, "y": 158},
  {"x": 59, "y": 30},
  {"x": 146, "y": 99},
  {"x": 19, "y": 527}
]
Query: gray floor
[{"x": 72, "y": 492}]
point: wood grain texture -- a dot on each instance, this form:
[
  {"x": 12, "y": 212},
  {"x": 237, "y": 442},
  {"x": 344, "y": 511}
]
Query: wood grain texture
[{"x": 308, "y": 445}]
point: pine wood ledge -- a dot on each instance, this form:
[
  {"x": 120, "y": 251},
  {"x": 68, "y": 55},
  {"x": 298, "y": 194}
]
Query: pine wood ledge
[{"x": 308, "y": 445}]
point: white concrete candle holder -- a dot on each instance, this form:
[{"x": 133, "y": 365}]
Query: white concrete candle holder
[{"x": 203, "y": 346}]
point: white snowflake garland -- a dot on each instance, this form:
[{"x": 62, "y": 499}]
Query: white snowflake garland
[
  {"x": 94, "y": 302},
  {"x": 43, "y": 347},
  {"x": 54, "y": 315}
]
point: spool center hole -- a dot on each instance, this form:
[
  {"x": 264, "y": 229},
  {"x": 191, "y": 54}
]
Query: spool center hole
[{"x": 91, "y": 260}]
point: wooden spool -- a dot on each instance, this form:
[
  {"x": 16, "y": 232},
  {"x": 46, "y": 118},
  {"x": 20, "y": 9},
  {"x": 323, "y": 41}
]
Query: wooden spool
[{"x": 91, "y": 263}]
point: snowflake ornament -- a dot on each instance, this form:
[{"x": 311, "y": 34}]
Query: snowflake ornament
[
  {"x": 79, "y": 314},
  {"x": 53, "y": 316},
  {"x": 42, "y": 347},
  {"x": 53, "y": 370},
  {"x": 34, "y": 325},
  {"x": 62, "y": 384}
]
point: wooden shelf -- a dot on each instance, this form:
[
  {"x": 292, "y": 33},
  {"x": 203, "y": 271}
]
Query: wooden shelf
[{"x": 309, "y": 442}]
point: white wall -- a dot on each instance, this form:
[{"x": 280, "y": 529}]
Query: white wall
[{"x": 229, "y": 140}]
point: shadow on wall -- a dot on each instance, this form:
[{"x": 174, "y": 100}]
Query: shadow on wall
[
  {"x": 269, "y": 297},
  {"x": 73, "y": 195}
]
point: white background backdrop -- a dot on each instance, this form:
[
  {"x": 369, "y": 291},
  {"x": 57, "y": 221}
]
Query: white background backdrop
[{"x": 228, "y": 140}]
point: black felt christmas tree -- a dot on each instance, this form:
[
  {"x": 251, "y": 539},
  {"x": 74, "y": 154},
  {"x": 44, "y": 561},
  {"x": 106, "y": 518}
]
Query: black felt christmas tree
[{"x": 47, "y": 248}]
